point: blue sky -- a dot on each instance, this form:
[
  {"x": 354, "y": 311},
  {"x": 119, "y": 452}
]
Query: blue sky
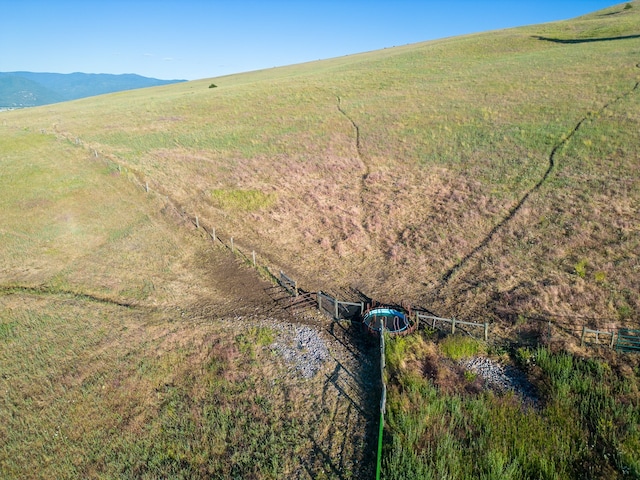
[{"x": 192, "y": 39}]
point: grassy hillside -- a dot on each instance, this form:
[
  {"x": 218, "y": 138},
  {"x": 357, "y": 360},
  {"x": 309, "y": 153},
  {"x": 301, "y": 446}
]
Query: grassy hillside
[
  {"x": 491, "y": 177},
  {"x": 469, "y": 175},
  {"x": 131, "y": 347}
]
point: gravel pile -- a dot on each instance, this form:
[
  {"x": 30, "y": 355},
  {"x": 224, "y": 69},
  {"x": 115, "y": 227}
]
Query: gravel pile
[
  {"x": 502, "y": 378},
  {"x": 302, "y": 347}
]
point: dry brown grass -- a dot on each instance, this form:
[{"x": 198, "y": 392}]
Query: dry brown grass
[
  {"x": 439, "y": 165},
  {"x": 411, "y": 174},
  {"x": 126, "y": 340}
]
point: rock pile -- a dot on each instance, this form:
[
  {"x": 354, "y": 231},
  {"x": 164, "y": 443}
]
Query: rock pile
[
  {"x": 302, "y": 347},
  {"x": 502, "y": 378}
]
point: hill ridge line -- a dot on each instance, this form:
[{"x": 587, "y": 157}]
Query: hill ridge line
[{"x": 516, "y": 208}]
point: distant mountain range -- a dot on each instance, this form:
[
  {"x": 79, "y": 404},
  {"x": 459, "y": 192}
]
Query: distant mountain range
[{"x": 29, "y": 89}]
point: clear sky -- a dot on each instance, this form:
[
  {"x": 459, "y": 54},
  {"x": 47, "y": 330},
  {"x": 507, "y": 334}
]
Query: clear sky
[{"x": 192, "y": 39}]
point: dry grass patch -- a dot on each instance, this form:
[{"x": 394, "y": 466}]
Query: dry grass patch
[
  {"x": 447, "y": 148},
  {"x": 411, "y": 174},
  {"x": 96, "y": 390},
  {"x": 127, "y": 343}
]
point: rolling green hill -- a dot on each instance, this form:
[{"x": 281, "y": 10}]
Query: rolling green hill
[
  {"x": 468, "y": 175},
  {"x": 490, "y": 177}
]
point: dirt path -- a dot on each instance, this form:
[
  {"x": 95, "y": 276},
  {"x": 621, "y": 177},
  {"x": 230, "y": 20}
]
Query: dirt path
[
  {"x": 364, "y": 204},
  {"x": 331, "y": 368},
  {"x": 550, "y": 168}
]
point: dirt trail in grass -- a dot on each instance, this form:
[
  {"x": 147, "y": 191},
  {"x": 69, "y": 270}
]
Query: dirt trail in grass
[
  {"x": 358, "y": 139},
  {"x": 516, "y": 208},
  {"x": 366, "y": 166},
  {"x": 338, "y": 400},
  {"x": 44, "y": 290}
]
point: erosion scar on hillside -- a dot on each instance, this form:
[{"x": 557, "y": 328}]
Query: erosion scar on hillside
[
  {"x": 357, "y": 130},
  {"x": 363, "y": 160},
  {"x": 514, "y": 210},
  {"x": 44, "y": 290}
]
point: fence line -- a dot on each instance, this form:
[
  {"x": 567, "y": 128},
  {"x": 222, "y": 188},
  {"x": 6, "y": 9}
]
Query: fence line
[
  {"x": 453, "y": 322},
  {"x": 623, "y": 340},
  {"x": 383, "y": 405},
  {"x": 597, "y": 333}
]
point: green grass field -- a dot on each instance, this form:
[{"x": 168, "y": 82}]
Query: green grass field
[
  {"x": 584, "y": 426},
  {"x": 491, "y": 177},
  {"x": 453, "y": 134}
]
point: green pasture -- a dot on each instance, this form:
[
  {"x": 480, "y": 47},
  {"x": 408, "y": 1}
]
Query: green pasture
[
  {"x": 585, "y": 425},
  {"x": 492, "y": 176}
]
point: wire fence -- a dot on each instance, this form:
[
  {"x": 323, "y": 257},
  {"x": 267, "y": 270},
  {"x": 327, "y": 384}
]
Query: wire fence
[
  {"x": 622, "y": 339},
  {"x": 383, "y": 406},
  {"x": 343, "y": 310},
  {"x": 339, "y": 310},
  {"x": 433, "y": 321}
]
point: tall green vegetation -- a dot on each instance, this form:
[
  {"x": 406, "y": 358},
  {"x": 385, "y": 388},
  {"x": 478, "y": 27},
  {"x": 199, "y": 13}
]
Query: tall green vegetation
[{"x": 587, "y": 426}]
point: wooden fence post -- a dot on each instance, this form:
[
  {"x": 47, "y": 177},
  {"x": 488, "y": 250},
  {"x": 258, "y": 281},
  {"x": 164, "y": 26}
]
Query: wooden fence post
[
  {"x": 232, "y": 245},
  {"x": 146, "y": 187},
  {"x": 254, "y": 257},
  {"x": 197, "y": 222},
  {"x": 613, "y": 336},
  {"x": 319, "y": 301},
  {"x": 486, "y": 331},
  {"x": 213, "y": 234},
  {"x": 335, "y": 304},
  {"x": 584, "y": 328},
  {"x": 453, "y": 325}
]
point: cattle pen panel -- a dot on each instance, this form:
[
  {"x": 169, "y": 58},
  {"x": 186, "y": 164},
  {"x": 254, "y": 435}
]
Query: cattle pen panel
[
  {"x": 622, "y": 340},
  {"x": 430, "y": 319},
  {"x": 628, "y": 340},
  {"x": 595, "y": 337},
  {"x": 288, "y": 283},
  {"x": 339, "y": 310}
]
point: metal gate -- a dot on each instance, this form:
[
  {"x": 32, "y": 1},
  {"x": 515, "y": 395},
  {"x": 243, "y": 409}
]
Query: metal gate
[{"x": 628, "y": 340}]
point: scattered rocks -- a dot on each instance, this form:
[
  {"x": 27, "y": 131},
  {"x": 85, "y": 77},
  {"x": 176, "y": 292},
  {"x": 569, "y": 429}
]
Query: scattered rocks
[
  {"x": 302, "y": 347},
  {"x": 502, "y": 378}
]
